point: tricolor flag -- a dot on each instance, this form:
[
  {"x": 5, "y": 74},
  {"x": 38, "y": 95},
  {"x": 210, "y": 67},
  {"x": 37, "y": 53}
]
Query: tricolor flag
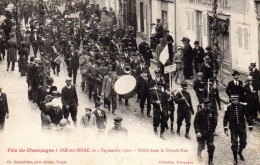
[{"x": 164, "y": 56}]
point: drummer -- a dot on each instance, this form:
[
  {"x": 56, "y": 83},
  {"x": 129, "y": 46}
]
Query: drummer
[{"x": 120, "y": 71}]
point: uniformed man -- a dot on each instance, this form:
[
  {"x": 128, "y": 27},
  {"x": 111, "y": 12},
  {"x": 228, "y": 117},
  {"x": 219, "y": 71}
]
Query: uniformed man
[
  {"x": 185, "y": 109},
  {"x": 170, "y": 106},
  {"x": 117, "y": 130},
  {"x": 235, "y": 118},
  {"x": 205, "y": 123},
  {"x": 159, "y": 100},
  {"x": 158, "y": 79}
]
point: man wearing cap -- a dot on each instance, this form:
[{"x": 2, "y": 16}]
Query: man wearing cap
[
  {"x": 143, "y": 88},
  {"x": 207, "y": 69},
  {"x": 91, "y": 73},
  {"x": 159, "y": 99},
  {"x": 198, "y": 86},
  {"x": 88, "y": 120},
  {"x": 4, "y": 111},
  {"x": 198, "y": 55},
  {"x": 251, "y": 97},
  {"x": 117, "y": 130},
  {"x": 235, "y": 87},
  {"x": 69, "y": 100},
  {"x": 187, "y": 58},
  {"x": 145, "y": 51},
  {"x": 185, "y": 109},
  {"x": 235, "y": 118},
  {"x": 35, "y": 39},
  {"x": 205, "y": 124},
  {"x": 158, "y": 79},
  {"x": 100, "y": 116}
]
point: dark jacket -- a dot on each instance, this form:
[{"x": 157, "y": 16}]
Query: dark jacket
[
  {"x": 163, "y": 97},
  {"x": 183, "y": 107},
  {"x": 233, "y": 89},
  {"x": 69, "y": 96},
  {"x": 100, "y": 119},
  {"x": 205, "y": 121},
  {"x": 235, "y": 117},
  {"x": 256, "y": 75},
  {"x": 143, "y": 86},
  {"x": 213, "y": 96},
  {"x": 3, "y": 105},
  {"x": 145, "y": 51}
]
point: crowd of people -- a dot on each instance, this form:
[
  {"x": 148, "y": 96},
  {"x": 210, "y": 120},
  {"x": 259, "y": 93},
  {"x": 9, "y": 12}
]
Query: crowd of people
[{"x": 109, "y": 52}]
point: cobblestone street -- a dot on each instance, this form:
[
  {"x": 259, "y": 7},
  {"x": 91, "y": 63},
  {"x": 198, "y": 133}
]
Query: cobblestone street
[{"x": 25, "y": 122}]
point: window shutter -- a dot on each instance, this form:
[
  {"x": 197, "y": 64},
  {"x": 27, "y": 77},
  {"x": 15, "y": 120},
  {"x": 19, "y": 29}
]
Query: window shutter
[
  {"x": 246, "y": 46},
  {"x": 240, "y": 37},
  {"x": 188, "y": 16},
  {"x": 145, "y": 10},
  {"x": 204, "y": 24},
  {"x": 192, "y": 20}
]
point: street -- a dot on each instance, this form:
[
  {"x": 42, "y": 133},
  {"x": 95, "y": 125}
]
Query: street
[{"x": 23, "y": 128}]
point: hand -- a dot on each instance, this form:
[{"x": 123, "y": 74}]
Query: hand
[
  {"x": 226, "y": 131},
  {"x": 67, "y": 106},
  {"x": 183, "y": 98},
  {"x": 198, "y": 135},
  {"x": 251, "y": 128},
  {"x": 7, "y": 116}
]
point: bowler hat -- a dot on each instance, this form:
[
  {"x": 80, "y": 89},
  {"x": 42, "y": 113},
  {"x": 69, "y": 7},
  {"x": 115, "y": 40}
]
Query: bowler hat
[
  {"x": 253, "y": 64},
  {"x": 250, "y": 78},
  {"x": 235, "y": 73}
]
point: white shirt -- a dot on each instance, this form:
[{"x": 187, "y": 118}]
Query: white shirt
[{"x": 236, "y": 82}]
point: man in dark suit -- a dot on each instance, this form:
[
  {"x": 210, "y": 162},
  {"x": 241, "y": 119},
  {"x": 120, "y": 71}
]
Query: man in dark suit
[
  {"x": 145, "y": 51},
  {"x": 69, "y": 99},
  {"x": 235, "y": 118},
  {"x": 253, "y": 71},
  {"x": 34, "y": 39},
  {"x": 198, "y": 55},
  {"x": 198, "y": 86},
  {"x": 187, "y": 58},
  {"x": 235, "y": 87},
  {"x": 251, "y": 97},
  {"x": 4, "y": 111},
  {"x": 143, "y": 88},
  {"x": 101, "y": 118},
  {"x": 73, "y": 64}
]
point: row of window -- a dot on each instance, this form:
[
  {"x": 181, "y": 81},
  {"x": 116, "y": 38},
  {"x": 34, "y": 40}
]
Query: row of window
[{"x": 221, "y": 3}]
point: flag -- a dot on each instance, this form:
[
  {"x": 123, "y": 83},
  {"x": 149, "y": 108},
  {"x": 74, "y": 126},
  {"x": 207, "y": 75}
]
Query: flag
[{"x": 164, "y": 56}]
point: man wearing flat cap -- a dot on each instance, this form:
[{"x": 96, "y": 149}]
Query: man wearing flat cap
[
  {"x": 159, "y": 99},
  {"x": 88, "y": 120},
  {"x": 198, "y": 86},
  {"x": 69, "y": 100},
  {"x": 235, "y": 119},
  {"x": 205, "y": 124},
  {"x": 185, "y": 109},
  {"x": 4, "y": 111},
  {"x": 100, "y": 116},
  {"x": 117, "y": 130},
  {"x": 235, "y": 87}
]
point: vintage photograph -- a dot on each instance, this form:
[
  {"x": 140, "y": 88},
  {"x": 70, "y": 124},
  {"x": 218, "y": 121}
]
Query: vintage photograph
[{"x": 129, "y": 82}]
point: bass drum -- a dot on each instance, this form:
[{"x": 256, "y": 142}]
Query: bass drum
[{"x": 125, "y": 86}]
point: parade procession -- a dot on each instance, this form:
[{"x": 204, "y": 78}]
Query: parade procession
[{"x": 73, "y": 64}]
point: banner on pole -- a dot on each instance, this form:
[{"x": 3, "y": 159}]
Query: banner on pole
[
  {"x": 164, "y": 56},
  {"x": 170, "y": 68}
]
